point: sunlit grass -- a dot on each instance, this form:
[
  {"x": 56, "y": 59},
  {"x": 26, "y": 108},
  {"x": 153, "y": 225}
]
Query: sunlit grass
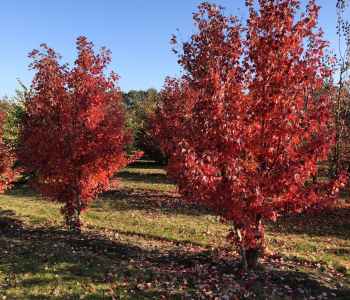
[{"x": 142, "y": 216}]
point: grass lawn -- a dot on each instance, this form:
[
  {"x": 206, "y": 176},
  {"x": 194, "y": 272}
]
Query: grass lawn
[{"x": 140, "y": 241}]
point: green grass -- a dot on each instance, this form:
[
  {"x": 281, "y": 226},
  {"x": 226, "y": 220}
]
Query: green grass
[{"x": 140, "y": 241}]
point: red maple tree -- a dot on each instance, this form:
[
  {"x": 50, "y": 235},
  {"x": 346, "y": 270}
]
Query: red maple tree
[
  {"x": 72, "y": 135},
  {"x": 241, "y": 127}
]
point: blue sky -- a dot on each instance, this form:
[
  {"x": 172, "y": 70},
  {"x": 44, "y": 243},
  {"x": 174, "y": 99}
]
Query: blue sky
[{"x": 137, "y": 32}]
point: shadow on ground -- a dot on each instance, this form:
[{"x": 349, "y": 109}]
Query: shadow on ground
[
  {"x": 115, "y": 262},
  {"x": 23, "y": 190},
  {"x": 333, "y": 223},
  {"x": 145, "y": 178},
  {"x": 149, "y": 200}
]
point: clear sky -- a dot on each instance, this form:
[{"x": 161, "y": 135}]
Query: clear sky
[{"x": 137, "y": 32}]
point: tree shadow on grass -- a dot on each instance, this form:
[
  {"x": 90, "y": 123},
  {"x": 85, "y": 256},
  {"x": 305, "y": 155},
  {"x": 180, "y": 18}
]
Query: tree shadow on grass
[
  {"x": 113, "y": 263},
  {"x": 308, "y": 282},
  {"x": 145, "y": 178},
  {"x": 8, "y": 220},
  {"x": 45, "y": 261},
  {"x": 20, "y": 189},
  {"x": 168, "y": 203},
  {"x": 145, "y": 164},
  {"x": 333, "y": 223}
]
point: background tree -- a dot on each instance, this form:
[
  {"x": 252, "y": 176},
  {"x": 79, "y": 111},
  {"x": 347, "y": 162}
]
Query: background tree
[
  {"x": 140, "y": 106},
  {"x": 340, "y": 94},
  {"x": 247, "y": 155},
  {"x": 15, "y": 111},
  {"x": 7, "y": 171},
  {"x": 72, "y": 133}
]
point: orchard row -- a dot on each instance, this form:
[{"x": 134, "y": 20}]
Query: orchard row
[{"x": 244, "y": 130}]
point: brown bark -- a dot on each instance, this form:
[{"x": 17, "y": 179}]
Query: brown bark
[
  {"x": 243, "y": 254},
  {"x": 256, "y": 250}
]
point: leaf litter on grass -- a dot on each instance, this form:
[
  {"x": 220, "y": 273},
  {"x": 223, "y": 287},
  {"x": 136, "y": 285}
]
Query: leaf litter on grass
[
  {"x": 42, "y": 263},
  {"x": 146, "y": 244}
]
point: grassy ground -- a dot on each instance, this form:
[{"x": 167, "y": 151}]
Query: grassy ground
[{"x": 140, "y": 241}]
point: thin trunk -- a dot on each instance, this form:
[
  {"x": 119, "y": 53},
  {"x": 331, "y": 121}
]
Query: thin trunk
[
  {"x": 79, "y": 213},
  {"x": 314, "y": 177},
  {"x": 78, "y": 201},
  {"x": 335, "y": 159},
  {"x": 243, "y": 254},
  {"x": 70, "y": 228},
  {"x": 75, "y": 174},
  {"x": 257, "y": 248}
]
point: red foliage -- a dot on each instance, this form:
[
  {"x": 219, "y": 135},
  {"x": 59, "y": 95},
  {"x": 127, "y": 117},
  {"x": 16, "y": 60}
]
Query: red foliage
[
  {"x": 240, "y": 128},
  {"x": 7, "y": 174},
  {"x": 73, "y": 135}
]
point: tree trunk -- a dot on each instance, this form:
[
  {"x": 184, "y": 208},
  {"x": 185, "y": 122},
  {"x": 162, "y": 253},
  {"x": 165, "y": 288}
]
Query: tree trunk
[
  {"x": 335, "y": 159},
  {"x": 314, "y": 177},
  {"x": 243, "y": 254},
  {"x": 79, "y": 213},
  {"x": 78, "y": 202},
  {"x": 257, "y": 248},
  {"x": 70, "y": 227}
]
